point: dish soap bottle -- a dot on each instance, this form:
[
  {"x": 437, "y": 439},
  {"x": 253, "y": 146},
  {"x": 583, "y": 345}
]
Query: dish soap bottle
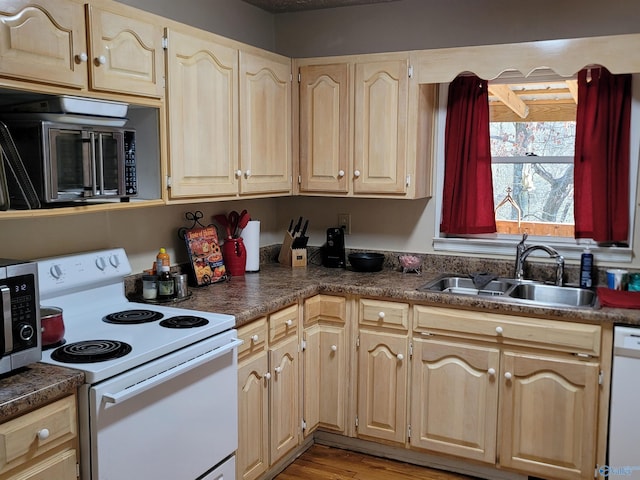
[
  {"x": 166, "y": 289},
  {"x": 586, "y": 268}
]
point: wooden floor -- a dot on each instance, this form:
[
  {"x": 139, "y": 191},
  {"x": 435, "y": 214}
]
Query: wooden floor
[{"x": 327, "y": 463}]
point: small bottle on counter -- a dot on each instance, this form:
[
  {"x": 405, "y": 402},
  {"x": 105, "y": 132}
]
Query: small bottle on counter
[
  {"x": 162, "y": 259},
  {"x": 166, "y": 286},
  {"x": 586, "y": 269}
]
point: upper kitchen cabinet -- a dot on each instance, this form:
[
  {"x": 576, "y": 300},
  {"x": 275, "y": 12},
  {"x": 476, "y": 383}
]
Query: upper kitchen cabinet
[
  {"x": 202, "y": 101},
  {"x": 365, "y": 127},
  {"x": 51, "y": 45},
  {"x": 265, "y": 124},
  {"x": 229, "y": 119}
]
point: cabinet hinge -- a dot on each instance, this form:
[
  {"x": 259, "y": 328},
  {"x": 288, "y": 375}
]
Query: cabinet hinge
[
  {"x": 409, "y": 431},
  {"x": 410, "y": 350},
  {"x": 600, "y": 377},
  {"x": 358, "y": 341},
  {"x": 586, "y": 356},
  {"x": 77, "y": 470},
  {"x": 304, "y": 425},
  {"x": 168, "y": 181},
  {"x": 303, "y": 345},
  {"x": 299, "y": 77},
  {"x": 410, "y": 71},
  {"x": 299, "y": 179},
  {"x": 408, "y": 180},
  {"x": 165, "y": 43},
  {"x": 356, "y": 421}
]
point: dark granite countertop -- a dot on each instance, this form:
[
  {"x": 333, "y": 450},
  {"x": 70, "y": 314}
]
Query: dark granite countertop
[
  {"x": 275, "y": 286},
  {"x": 35, "y": 385}
]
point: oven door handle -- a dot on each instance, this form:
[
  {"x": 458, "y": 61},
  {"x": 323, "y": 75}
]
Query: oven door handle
[{"x": 138, "y": 388}]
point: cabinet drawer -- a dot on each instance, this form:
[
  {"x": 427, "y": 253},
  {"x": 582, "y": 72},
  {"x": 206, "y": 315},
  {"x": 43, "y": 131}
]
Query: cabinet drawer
[
  {"x": 325, "y": 308},
  {"x": 61, "y": 466},
  {"x": 28, "y": 436},
  {"x": 379, "y": 313},
  {"x": 511, "y": 329},
  {"x": 283, "y": 324},
  {"x": 254, "y": 336}
]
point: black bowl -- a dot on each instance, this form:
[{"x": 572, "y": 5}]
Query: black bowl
[{"x": 366, "y": 262}]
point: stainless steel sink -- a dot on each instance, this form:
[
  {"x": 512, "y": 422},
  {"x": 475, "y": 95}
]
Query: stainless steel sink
[
  {"x": 465, "y": 286},
  {"x": 541, "y": 294},
  {"x": 517, "y": 291}
]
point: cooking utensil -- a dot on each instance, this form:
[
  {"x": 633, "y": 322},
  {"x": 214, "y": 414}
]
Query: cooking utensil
[
  {"x": 52, "y": 325},
  {"x": 366, "y": 261},
  {"x": 244, "y": 220},
  {"x": 234, "y": 217},
  {"x": 224, "y": 222},
  {"x": 296, "y": 229}
]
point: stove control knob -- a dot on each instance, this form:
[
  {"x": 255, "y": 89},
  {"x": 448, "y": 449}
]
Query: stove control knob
[
  {"x": 101, "y": 264},
  {"x": 56, "y": 271},
  {"x": 114, "y": 260}
]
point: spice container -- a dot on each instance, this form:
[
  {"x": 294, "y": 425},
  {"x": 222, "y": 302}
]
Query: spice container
[
  {"x": 166, "y": 286},
  {"x": 149, "y": 287}
]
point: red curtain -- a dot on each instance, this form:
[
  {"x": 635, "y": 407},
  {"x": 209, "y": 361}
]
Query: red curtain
[
  {"x": 602, "y": 156},
  {"x": 467, "y": 205}
]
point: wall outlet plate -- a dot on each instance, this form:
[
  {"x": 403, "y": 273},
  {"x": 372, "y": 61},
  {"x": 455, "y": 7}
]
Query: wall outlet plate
[{"x": 344, "y": 222}]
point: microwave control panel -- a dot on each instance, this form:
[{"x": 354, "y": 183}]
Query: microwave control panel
[{"x": 130, "y": 174}]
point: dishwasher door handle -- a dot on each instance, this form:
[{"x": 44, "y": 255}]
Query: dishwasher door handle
[{"x": 151, "y": 382}]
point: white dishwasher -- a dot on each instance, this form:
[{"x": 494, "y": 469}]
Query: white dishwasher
[{"x": 624, "y": 422}]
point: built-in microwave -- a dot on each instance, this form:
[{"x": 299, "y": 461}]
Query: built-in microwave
[{"x": 71, "y": 162}]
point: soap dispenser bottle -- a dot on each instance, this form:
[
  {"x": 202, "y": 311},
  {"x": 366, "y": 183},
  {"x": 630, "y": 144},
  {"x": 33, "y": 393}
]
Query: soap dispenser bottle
[{"x": 586, "y": 268}]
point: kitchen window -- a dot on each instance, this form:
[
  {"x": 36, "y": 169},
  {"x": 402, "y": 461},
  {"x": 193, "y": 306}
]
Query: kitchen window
[{"x": 532, "y": 167}]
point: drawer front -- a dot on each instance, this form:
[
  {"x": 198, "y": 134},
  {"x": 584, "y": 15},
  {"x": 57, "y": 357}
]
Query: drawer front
[
  {"x": 510, "y": 329},
  {"x": 325, "y": 308},
  {"x": 254, "y": 337},
  {"x": 283, "y": 324},
  {"x": 380, "y": 313},
  {"x": 61, "y": 466},
  {"x": 36, "y": 432}
]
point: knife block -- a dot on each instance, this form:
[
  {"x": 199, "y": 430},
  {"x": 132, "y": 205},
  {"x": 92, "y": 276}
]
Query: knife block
[{"x": 292, "y": 257}]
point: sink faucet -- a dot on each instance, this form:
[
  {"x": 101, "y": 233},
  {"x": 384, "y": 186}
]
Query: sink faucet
[{"x": 523, "y": 251}]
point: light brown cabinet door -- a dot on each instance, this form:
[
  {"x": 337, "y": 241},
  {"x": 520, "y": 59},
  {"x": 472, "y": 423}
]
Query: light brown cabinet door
[
  {"x": 454, "y": 402},
  {"x": 324, "y": 128},
  {"x": 381, "y": 98},
  {"x": 548, "y": 418},
  {"x": 382, "y": 386},
  {"x": 202, "y": 100},
  {"x": 284, "y": 394},
  {"x": 252, "y": 457},
  {"x": 265, "y": 124},
  {"x": 126, "y": 54},
  {"x": 325, "y": 377},
  {"x": 44, "y": 42}
]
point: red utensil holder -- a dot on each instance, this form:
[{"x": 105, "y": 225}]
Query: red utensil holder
[{"x": 234, "y": 254}]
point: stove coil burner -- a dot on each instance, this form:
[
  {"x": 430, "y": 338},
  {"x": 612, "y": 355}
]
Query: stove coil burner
[
  {"x": 184, "y": 321},
  {"x": 90, "y": 351},
  {"x": 133, "y": 316}
]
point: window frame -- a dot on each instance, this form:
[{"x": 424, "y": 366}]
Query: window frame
[{"x": 504, "y": 244}]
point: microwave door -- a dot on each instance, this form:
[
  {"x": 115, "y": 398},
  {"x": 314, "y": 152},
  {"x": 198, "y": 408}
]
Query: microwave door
[
  {"x": 69, "y": 164},
  {"x": 110, "y": 163}
]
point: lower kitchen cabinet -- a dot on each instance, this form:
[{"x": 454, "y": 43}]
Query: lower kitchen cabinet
[
  {"x": 268, "y": 392},
  {"x": 454, "y": 398},
  {"x": 383, "y": 366},
  {"x": 42, "y": 444},
  {"x": 325, "y": 364},
  {"x": 477, "y": 374}
]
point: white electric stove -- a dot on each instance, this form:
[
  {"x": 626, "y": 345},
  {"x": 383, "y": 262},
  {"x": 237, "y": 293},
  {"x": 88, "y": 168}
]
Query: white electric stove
[{"x": 153, "y": 372}]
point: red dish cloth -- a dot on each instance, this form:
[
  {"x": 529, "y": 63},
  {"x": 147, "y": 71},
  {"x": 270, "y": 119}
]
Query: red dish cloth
[{"x": 618, "y": 298}]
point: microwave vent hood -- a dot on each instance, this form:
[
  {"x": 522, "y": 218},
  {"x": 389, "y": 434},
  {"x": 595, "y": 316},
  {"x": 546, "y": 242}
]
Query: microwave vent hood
[{"x": 68, "y": 104}]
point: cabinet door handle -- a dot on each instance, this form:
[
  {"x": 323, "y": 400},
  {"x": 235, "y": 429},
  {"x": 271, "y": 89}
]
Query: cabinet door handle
[
  {"x": 267, "y": 376},
  {"x": 278, "y": 369},
  {"x": 238, "y": 173},
  {"x": 289, "y": 322},
  {"x": 499, "y": 330},
  {"x": 43, "y": 434},
  {"x": 507, "y": 375},
  {"x": 400, "y": 357},
  {"x": 334, "y": 348},
  {"x": 356, "y": 173},
  {"x": 255, "y": 338},
  {"x": 340, "y": 173},
  {"x": 82, "y": 57},
  {"x": 492, "y": 372},
  {"x": 101, "y": 60},
  {"x": 247, "y": 174},
  {"x": 381, "y": 315}
]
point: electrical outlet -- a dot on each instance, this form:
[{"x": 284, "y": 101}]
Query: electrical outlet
[{"x": 344, "y": 222}]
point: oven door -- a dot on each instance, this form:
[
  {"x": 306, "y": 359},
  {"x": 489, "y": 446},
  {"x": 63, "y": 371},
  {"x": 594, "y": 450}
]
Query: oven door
[{"x": 173, "y": 418}]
